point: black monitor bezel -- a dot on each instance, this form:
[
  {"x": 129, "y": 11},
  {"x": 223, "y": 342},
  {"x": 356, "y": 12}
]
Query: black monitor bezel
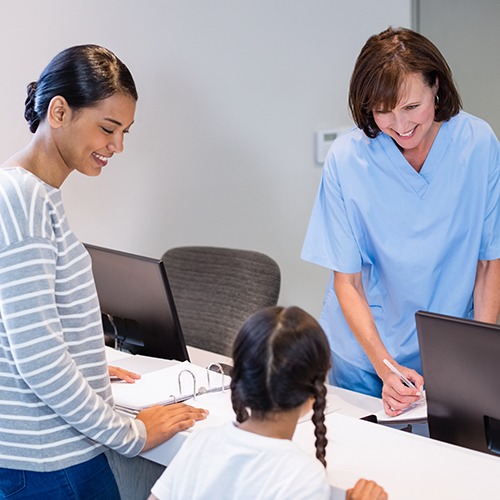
[
  {"x": 461, "y": 368},
  {"x": 122, "y": 292}
]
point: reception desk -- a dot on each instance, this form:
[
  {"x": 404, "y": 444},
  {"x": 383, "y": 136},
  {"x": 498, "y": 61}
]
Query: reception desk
[{"x": 407, "y": 465}]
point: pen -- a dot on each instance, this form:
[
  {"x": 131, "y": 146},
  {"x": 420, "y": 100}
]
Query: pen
[{"x": 405, "y": 381}]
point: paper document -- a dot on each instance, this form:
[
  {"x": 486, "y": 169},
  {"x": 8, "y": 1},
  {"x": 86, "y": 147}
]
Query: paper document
[
  {"x": 169, "y": 385},
  {"x": 330, "y": 408},
  {"x": 113, "y": 355},
  {"x": 415, "y": 413},
  {"x": 220, "y": 409}
]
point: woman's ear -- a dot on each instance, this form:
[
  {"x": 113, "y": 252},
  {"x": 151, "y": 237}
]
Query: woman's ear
[
  {"x": 436, "y": 85},
  {"x": 58, "y": 111}
]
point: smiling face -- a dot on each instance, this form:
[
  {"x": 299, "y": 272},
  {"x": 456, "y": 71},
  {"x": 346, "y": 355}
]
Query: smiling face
[
  {"x": 89, "y": 137},
  {"x": 411, "y": 123}
]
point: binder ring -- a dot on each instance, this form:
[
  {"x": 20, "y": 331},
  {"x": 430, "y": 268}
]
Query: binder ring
[
  {"x": 194, "y": 381},
  {"x": 221, "y": 371}
]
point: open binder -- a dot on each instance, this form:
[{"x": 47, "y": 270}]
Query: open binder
[{"x": 180, "y": 382}]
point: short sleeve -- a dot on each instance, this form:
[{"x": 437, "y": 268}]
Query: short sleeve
[
  {"x": 329, "y": 240},
  {"x": 490, "y": 239}
]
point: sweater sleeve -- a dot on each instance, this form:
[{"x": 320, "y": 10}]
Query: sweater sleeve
[{"x": 37, "y": 346}]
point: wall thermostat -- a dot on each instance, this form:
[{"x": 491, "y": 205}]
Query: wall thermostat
[{"x": 324, "y": 139}]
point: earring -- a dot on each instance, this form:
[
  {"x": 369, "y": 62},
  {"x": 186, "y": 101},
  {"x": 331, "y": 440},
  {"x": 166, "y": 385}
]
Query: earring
[{"x": 437, "y": 99}]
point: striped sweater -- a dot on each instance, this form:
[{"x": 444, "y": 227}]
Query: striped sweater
[{"x": 56, "y": 407}]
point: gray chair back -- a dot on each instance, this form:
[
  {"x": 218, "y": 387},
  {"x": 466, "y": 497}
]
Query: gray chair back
[{"x": 215, "y": 289}]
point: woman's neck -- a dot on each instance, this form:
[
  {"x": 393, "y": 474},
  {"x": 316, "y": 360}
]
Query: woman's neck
[
  {"x": 41, "y": 158},
  {"x": 416, "y": 157}
]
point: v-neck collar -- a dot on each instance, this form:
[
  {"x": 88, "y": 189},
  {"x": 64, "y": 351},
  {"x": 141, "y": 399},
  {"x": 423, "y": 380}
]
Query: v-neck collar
[{"x": 417, "y": 181}]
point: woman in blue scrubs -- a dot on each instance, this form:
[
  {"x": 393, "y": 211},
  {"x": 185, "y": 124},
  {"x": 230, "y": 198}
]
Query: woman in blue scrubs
[{"x": 406, "y": 216}]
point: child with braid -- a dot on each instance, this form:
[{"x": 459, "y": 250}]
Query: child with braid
[{"x": 281, "y": 359}]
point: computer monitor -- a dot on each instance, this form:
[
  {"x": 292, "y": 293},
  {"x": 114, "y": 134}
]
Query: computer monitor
[
  {"x": 461, "y": 369},
  {"x": 137, "y": 305}
]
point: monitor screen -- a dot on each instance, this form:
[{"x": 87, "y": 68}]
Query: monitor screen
[
  {"x": 461, "y": 369},
  {"x": 137, "y": 306}
]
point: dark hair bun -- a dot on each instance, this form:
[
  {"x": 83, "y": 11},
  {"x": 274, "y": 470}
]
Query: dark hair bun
[
  {"x": 83, "y": 75},
  {"x": 30, "y": 114}
]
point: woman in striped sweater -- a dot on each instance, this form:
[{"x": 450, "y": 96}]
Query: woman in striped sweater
[{"x": 57, "y": 414}]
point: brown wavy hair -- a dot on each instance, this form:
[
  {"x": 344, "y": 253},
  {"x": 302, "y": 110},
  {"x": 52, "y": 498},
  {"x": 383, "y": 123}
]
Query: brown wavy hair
[{"x": 381, "y": 69}]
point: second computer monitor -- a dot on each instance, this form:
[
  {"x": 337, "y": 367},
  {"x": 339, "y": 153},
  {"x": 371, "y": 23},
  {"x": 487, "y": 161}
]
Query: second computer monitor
[
  {"x": 137, "y": 305},
  {"x": 461, "y": 368}
]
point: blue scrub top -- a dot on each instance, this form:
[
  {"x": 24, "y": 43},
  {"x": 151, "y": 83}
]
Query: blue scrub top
[{"x": 415, "y": 237}]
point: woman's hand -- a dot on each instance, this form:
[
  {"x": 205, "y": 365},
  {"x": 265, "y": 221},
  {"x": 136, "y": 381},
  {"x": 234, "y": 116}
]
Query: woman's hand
[
  {"x": 163, "y": 422},
  {"x": 366, "y": 490},
  {"x": 396, "y": 396},
  {"x": 116, "y": 372}
]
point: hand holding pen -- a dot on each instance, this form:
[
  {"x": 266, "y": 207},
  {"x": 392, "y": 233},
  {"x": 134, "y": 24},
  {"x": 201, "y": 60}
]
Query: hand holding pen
[
  {"x": 395, "y": 399},
  {"x": 403, "y": 379}
]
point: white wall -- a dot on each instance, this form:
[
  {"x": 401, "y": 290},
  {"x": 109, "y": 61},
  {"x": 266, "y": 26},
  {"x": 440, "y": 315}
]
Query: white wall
[{"x": 231, "y": 93}]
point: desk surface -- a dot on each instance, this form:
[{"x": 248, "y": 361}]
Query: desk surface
[{"x": 408, "y": 466}]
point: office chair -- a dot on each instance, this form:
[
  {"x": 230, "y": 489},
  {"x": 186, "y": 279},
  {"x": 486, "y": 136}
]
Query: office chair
[{"x": 215, "y": 290}]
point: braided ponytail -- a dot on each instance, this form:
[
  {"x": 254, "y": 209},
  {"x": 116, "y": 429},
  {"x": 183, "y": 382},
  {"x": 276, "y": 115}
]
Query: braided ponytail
[
  {"x": 318, "y": 419},
  {"x": 281, "y": 358},
  {"x": 238, "y": 407}
]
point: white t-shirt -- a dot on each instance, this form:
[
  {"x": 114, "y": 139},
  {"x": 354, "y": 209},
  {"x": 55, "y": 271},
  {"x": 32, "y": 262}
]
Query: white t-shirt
[{"x": 230, "y": 463}]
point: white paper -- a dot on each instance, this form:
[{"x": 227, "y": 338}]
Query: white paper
[
  {"x": 416, "y": 412},
  {"x": 162, "y": 386}
]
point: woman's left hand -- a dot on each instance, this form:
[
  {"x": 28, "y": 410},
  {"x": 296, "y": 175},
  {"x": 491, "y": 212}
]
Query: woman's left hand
[{"x": 116, "y": 372}]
